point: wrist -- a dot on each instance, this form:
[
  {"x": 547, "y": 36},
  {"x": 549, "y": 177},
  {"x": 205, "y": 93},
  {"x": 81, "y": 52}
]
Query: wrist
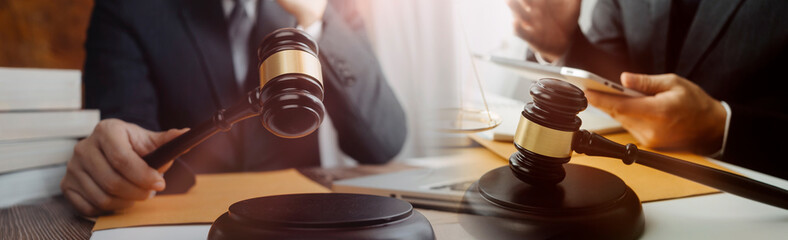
[
  {"x": 550, "y": 57},
  {"x": 563, "y": 44},
  {"x": 556, "y": 54},
  {"x": 713, "y": 140},
  {"x": 550, "y": 62}
]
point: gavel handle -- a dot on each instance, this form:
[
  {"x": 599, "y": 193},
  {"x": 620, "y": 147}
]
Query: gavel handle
[
  {"x": 222, "y": 120},
  {"x": 180, "y": 145},
  {"x": 595, "y": 145}
]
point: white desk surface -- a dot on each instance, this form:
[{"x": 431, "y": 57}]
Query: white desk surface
[{"x": 714, "y": 216}]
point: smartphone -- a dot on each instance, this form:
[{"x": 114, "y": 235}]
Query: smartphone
[{"x": 578, "y": 77}]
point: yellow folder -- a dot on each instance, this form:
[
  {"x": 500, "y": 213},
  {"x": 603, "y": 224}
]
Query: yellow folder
[
  {"x": 210, "y": 197},
  {"x": 649, "y": 184}
]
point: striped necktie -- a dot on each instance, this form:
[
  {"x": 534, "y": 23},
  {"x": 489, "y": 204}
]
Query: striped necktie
[{"x": 240, "y": 26}]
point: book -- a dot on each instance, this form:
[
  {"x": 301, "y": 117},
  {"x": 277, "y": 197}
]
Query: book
[
  {"x": 29, "y": 154},
  {"x": 49, "y": 124},
  {"x": 28, "y": 185},
  {"x": 40, "y": 89}
]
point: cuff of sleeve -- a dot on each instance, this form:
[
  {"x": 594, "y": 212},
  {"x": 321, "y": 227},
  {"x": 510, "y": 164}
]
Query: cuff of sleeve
[
  {"x": 315, "y": 30},
  {"x": 541, "y": 60},
  {"x": 728, "y": 112}
]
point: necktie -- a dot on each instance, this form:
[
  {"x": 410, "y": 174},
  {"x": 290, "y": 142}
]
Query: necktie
[{"x": 240, "y": 26}]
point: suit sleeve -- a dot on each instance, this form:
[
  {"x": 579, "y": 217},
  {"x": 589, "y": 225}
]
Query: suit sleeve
[
  {"x": 755, "y": 140},
  {"x": 115, "y": 75},
  {"x": 603, "y": 49},
  {"x": 757, "y": 131},
  {"x": 369, "y": 120}
]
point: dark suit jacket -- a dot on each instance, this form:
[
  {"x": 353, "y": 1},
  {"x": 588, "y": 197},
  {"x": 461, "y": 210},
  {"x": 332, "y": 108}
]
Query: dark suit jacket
[
  {"x": 167, "y": 64},
  {"x": 735, "y": 50}
]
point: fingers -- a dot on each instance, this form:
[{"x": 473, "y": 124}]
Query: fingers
[
  {"x": 648, "y": 84},
  {"x": 623, "y": 105},
  {"x": 677, "y": 115},
  {"x": 97, "y": 197},
  {"x": 85, "y": 196},
  {"x": 160, "y": 138},
  {"x": 611, "y": 104},
  {"x": 106, "y": 173},
  {"x": 79, "y": 203},
  {"x": 116, "y": 146},
  {"x": 653, "y": 85},
  {"x": 144, "y": 142},
  {"x": 100, "y": 171},
  {"x": 70, "y": 190},
  {"x": 528, "y": 18},
  {"x": 522, "y": 25},
  {"x": 520, "y": 9},
  {"x": 524, "y": 31},
  {"x": 621, "y": 108}
]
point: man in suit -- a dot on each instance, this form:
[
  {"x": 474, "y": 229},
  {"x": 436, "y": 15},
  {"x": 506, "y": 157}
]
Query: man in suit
[
  {"x": 713, "y": 70},
  {"x": 154, "y": 65}
]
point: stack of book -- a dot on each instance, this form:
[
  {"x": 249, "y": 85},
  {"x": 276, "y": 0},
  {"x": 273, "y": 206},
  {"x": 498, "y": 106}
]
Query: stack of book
[{"x": 40, "y": 122}]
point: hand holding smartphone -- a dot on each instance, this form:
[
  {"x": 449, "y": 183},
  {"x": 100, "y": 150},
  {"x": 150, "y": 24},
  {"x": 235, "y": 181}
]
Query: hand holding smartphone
[{"x": 578, "y": 77}]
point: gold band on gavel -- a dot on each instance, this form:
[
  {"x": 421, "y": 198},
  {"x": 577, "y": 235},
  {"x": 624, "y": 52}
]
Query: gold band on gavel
[
  {"x": 290, "y": 61},
  {"x": 543, "y": 140}
]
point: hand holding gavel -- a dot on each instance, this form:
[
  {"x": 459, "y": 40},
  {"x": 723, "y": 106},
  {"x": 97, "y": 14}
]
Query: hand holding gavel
[
  {"x": 548, "y": 132},
  {"x": 121, "y": 162},
  {"x": 106, "y": 171},
  {"x": 289, "y": 100}
]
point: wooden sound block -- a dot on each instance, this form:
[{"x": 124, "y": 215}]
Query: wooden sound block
[
  {"x": 322, "y": 216},
  {"x": 588, "y": 204}
]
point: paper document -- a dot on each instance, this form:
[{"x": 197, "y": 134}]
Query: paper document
[{"x": 210, "y": 197}]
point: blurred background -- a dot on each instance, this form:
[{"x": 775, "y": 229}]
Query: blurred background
[
  {"x": 420, "y": 44},
  {"x": 43, "y": 34},
  {"x": 424, "y": 48},
  {"x": 424, "y": 53}
]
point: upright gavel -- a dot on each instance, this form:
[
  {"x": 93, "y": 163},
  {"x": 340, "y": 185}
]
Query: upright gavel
[
  {"x": 289, "y": 99},
  {"x": 549, "y": 130}
]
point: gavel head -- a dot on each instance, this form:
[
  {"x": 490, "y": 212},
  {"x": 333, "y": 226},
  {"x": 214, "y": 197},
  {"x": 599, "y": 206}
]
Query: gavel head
[
  {"x": 544, "y": 135},
  {"x": 291, "y": 83}
]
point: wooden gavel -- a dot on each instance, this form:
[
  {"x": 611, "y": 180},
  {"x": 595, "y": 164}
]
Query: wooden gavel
[
  {"x": 289, "y": 99},
  {"x": 548, "y": 132}
]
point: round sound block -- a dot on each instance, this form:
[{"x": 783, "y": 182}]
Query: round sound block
[
  {"x": 321, "y": 216},
  {"x": 588, "y": 204}
]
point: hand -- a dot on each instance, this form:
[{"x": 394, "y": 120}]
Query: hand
[
  {"x": 306, "y": 12},
  {"x": 107, "y": 173},
  {"x": 678, "y": 115},
  {"x": 547, "y": 25}
]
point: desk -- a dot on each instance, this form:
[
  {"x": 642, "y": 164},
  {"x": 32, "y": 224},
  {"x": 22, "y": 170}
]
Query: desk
[{"x": 714, "y": 216}]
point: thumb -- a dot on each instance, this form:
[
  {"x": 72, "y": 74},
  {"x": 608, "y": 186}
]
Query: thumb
[
  {"x": 150, "y": 140},
  {"x": 160, "y": 138},
  {"x": 648, "y": 84}
]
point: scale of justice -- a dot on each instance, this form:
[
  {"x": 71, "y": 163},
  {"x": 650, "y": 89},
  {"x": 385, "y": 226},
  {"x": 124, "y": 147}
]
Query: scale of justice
[{"x": 538, "y": 195}]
